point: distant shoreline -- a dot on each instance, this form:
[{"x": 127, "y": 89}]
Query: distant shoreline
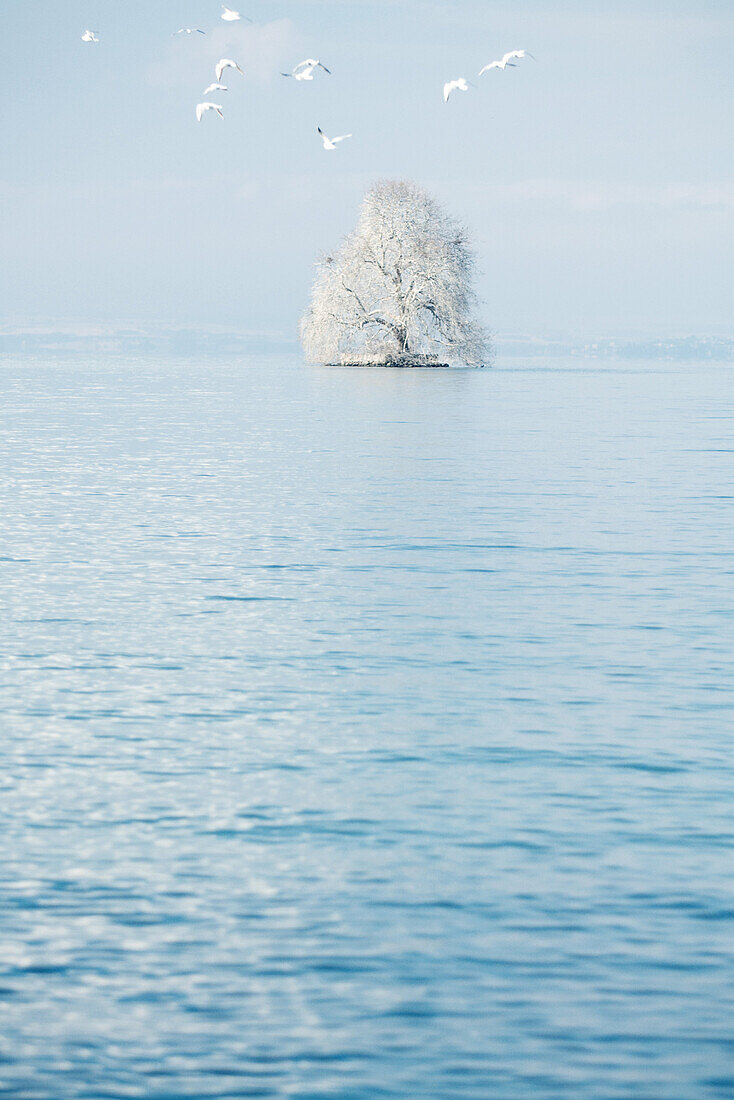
[{"x": 63, "y": 339}]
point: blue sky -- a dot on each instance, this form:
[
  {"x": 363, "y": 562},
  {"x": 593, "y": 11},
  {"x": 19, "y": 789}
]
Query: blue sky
[{"x": 597, "y": 183}]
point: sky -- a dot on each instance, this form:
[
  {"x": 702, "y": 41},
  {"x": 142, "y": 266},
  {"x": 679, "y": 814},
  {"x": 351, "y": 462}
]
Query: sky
[{"x": 597, "y": 182}]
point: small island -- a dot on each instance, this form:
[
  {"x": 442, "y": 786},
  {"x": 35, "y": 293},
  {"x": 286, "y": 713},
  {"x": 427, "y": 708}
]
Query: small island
[{"x": 398, "y": 292}]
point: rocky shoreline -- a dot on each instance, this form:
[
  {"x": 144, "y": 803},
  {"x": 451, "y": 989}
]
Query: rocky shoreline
[{"x": 390, "y": 361}]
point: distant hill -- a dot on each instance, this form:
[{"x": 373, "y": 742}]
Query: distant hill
[
  {"x": 718, "y": 348},
  {"x": 139, "y": 340},
  {"x": 70, "y": 339}
]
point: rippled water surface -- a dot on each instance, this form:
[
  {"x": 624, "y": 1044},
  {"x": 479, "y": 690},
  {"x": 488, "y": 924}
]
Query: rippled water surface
[{"x": 366, "y": 733}]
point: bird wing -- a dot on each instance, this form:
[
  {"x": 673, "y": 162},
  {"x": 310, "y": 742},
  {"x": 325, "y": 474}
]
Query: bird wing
[
  {"x": 492, "y": 65},
  {"x": 342, "y": 138},
  {"x": 460, "y": 83},
  {"x": 324, "y": 68},
  {"x": 201, "y": 107},
  {"x": 227, "y": 63}
]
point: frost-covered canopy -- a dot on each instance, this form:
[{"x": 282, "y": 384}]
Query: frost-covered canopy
[{"x": 400, "y": 284}]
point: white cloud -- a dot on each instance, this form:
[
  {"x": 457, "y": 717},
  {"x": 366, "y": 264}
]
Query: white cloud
[{"x": 263, "y": 50}]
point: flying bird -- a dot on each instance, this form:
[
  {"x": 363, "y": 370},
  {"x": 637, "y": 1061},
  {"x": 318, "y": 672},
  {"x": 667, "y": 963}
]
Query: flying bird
[
  {"x": 459, "y": 85},
  {"x": 304, "y": 70},
  {"x": 215, "y": 88},
  {"x": 201, "y": 107},
  {"x": 225, "y": 63},
  {"x": 507, "y": 59},
  {"x": 230, "y": 16},
  {"x": 331, "y": 143},
  {"x": 90, "y": 36},
  {"x": 188, "y": 30}
]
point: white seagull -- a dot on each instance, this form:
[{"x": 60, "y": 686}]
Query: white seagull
[
  {"x": 226, "y": 63},
  {"x": 331, "y": 143},
  {"x": 459, "y": 85},
  {"x": 230, "y": 16},
  {"x": 201, "y": 107},
  {"x": 188, "y": 30},
  {"x": 90, "y": 36},
  {"x": 304, "y": 70},
  {"x": 215, "y": 88},
  {"x": 507, "y": 59}
]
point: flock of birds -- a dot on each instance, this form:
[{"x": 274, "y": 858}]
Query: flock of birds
[
  {"x": 305, "y": 70},
  {"x": 507, "y": 61}
]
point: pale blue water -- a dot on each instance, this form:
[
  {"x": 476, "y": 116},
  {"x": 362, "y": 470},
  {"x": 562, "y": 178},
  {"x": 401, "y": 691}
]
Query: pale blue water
[{"x": 366, "y": 733}]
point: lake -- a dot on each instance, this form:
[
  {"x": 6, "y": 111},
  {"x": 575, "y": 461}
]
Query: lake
[{"x": 366, "y": 733}]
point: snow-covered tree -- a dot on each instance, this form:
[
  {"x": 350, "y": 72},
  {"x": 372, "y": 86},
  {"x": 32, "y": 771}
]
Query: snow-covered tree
[{"x": 399, "y": 286}]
